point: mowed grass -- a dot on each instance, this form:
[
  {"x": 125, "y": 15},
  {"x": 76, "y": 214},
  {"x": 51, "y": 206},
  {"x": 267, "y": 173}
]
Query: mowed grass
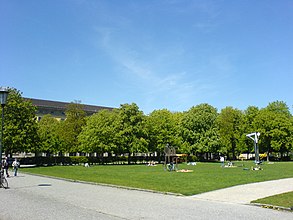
[
  {"x": 205, "y": 176},
  {"x": 284, "y": 200}
]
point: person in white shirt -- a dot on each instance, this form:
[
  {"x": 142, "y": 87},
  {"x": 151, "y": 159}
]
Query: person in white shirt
[
  {"x": 222, "y": 160},
  {"x": 15, "y": 166}
]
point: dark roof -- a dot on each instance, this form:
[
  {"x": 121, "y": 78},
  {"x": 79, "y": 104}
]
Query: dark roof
[{"x": 62, "y": 105}]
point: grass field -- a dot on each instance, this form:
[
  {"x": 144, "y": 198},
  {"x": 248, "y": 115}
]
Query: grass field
[
  {"x": 205, "y": 176},
  {"x": 284, "y": 200}
]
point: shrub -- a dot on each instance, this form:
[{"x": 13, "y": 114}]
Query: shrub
[
  {"x": 78, "y": 159},
  {"x": 192, "y": 158}
]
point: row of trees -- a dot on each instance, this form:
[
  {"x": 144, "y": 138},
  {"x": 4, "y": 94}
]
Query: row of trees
[{"x": 201, "y": 130}]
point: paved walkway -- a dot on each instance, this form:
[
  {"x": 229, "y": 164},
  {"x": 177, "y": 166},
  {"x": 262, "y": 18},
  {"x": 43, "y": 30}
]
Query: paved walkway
[
  {"x": 37, "y": 198},
  {"x": 244, "y": 194}
]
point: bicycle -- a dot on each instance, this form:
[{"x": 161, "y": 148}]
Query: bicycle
[
  {"x": 171, "y": 167},
  {"x": 3, "y": 180}
]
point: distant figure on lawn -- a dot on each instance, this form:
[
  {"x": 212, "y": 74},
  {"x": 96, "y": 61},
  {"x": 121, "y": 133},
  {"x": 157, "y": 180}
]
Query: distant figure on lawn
[
  {"x": 151, "y": 163},
  {"x": 222, "y": 160},
  {"x": 230, "y": 164}
]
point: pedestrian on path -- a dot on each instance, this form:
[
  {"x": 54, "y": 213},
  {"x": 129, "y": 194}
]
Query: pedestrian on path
[
  {"x": 5, "y": 165},
  {"x": 15, "y": 166}
]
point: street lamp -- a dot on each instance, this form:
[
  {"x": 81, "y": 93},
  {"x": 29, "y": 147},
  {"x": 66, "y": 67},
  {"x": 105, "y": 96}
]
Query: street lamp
[{"x": 3, "y": 99}]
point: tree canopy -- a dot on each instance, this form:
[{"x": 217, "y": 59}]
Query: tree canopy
[
  {"x": 201, "y": 130},
  {"x": 20, "y": 129}
]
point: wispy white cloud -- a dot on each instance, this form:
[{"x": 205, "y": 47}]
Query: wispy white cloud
[
  {"x": 104, "y": 35},
  {"x": 154, "y": 79},
  {"x": 156, "y": 68}
]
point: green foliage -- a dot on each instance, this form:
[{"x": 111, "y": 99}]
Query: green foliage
[
  {"x": 98, "y": 135},
  {"x": 279, "y": 107},
  {"x": 229, "y": 122},
  {"x": 130, "y": 133},
  {"x": 246, "y": 127},
  {"x": 163, "y": 127},
  {"x": 199, "y": 130},
  {"x": 78, "y": 159},
  {"x": 72, "y": 127},
  {"x": 119, "y": 131},
  {"x": 275, "y": 125},
  {"x": 192, "y": 158},
  {"x": 48, "y": 131},
  {"x": 20, "y": 126}
]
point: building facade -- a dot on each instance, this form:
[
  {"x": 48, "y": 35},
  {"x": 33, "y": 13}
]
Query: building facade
[{"x": 57, "y": 109}]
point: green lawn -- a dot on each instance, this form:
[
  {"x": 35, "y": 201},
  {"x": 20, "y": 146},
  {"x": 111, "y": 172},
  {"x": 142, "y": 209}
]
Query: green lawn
[
  {"x": 284, "y": 200},
  {"x": 205, "y": 176}
]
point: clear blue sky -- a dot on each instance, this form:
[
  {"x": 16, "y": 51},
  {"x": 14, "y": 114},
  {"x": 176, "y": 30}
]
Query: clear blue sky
[{"x": 171, "y": 54}]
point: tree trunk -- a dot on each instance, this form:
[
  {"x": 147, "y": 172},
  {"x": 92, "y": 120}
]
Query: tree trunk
[
  {"x": 233, "y": 148},
  {"x": 129, "y": 158}
]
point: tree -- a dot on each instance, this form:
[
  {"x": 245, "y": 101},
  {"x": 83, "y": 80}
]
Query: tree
[
  {"x": 275, "y": 125},
  {"x": 130, "y": 135},
  {"x": 199, "y": 130},
  {"x": 229, "y": 123},
  {"x": 162, "y": 128},
  {"x": 48, "y": 131},
  {"x": 99, "y": 132},
  {"x": 247, "y": 127},
  {"x": 72, "y": 126},
  {"x": 279, "y": 107},
  {"x": 20, "y": 130}
]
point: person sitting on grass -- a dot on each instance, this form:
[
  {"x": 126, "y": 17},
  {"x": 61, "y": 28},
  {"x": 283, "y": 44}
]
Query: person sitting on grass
[
  {"x": 230, "y": 164},
  {"x": 151, "y": 163}
]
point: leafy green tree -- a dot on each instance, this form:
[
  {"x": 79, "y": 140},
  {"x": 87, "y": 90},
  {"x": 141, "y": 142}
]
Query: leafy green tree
[
  {"x": 229, "y": 123},
  {"x": 275, "y": 125},
  {"x": 162, "y": 128},
  {"x": 99, "y": 132},
  {"x": 279, "y": 107},
  {"x": 199, "y": 130},
  {"x": 72, "y": 126},
  {"x": 131, "y": 136},
  {"x": 48, "y": 131},
  {"x": 247, "y": 127},
  {"x": 20, "y": 130}
]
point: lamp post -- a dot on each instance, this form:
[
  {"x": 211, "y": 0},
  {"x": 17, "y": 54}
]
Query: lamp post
[{"x": 3, "y": 99}]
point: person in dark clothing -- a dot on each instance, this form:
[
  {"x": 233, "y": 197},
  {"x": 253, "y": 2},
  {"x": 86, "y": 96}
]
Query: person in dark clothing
[{"x": 5, "y": 165}]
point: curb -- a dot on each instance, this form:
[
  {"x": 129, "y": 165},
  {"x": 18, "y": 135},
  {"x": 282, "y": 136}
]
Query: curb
[{"x": 274, "y": 207}]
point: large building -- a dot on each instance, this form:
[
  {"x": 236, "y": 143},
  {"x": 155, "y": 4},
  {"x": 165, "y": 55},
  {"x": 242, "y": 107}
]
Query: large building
[{"x": 57, "y": 109}]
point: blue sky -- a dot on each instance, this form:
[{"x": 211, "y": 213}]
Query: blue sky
[{"x": 171, "y": 54}]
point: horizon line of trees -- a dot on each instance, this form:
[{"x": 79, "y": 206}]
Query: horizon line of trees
[{"x": 201, "y": 130}]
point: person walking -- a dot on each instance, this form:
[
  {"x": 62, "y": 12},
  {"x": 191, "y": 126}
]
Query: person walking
[
  {"x": 15, "y": 166},
  {"x": 6, "y": 166},
  {"x": 222, "y": 160}
]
